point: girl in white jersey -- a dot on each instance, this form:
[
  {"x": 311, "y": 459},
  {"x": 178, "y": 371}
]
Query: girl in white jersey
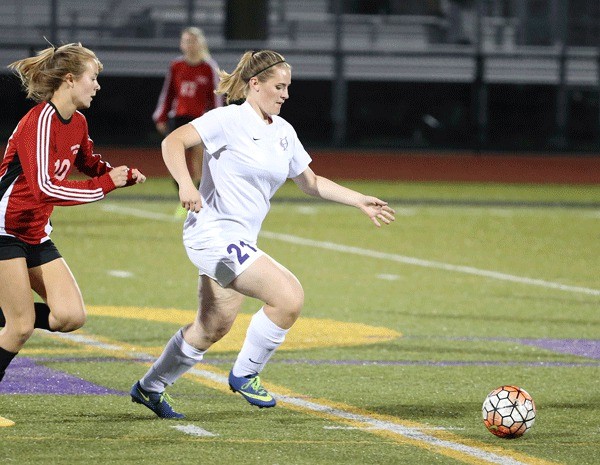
[{"x": 249, "y": 152}]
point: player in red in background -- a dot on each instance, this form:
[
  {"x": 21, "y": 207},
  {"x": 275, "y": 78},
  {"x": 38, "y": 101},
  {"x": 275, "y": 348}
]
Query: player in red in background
[
  {"x": 49, "y": 141},
  {"x": 188, "y": 92}
]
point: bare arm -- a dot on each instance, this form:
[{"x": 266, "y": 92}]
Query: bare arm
[
  {"x": 318, "y": 186},
  {"x": 173, "y": 151}
]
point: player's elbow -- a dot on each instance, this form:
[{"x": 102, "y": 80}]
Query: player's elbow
[
  {"x": 310, "y": 187},
  {"x": 171, "y": 142}
]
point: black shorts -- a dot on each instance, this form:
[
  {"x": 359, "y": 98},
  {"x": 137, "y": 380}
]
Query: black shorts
[
  {"x": 34, "y": 254},
  {"x": 178, "y": 121}
]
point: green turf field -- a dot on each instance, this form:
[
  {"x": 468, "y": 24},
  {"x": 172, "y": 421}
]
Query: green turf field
[{"x": 405, "y": 330}]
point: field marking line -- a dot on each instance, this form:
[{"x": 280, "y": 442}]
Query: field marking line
[
  {"x": 376, "y": 254},
  {"x": 193, "y": 430},
  {"x": 400, "y": 431},
  {"x": 139, "y": 213},
  {"x": 5, "y": 422},
  {"x": 426, "y": 263}
]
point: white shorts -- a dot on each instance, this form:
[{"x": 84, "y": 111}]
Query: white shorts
[{"x": 226, "y": 262}]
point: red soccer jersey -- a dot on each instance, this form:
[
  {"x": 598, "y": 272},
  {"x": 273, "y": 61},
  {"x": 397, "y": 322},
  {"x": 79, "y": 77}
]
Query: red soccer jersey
[
  {"x": 40, "y": 154},
  {"x": 188, "y": 90}
]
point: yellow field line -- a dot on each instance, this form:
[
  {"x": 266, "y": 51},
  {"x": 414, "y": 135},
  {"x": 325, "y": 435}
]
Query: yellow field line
[
  {"x": 4, "y": 422},
  {"x": 400, "y": 431}
]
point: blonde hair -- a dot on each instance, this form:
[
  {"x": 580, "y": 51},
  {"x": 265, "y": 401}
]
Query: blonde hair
[
  {"x": 201, "y": 38},
  {"x": 252, "y": 64},
  {"x": 42, "y": 75}
]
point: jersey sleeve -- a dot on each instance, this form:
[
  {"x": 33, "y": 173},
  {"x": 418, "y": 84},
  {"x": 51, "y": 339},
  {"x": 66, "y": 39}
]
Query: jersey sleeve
[
  {"x": 211, "y": 131},
  {"x": 46, "y": 173},
  {"x": 88, "y": 162},
  {"x": 300, "y": 157},
  {"x": 166, "y": 97}
]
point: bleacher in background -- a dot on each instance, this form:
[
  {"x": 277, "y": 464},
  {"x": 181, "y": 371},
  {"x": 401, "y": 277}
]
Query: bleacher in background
[
  {"x": 550, "y": 46},
  {"x": 291, "y": 23},
  {"x": 143, "y": 33}
]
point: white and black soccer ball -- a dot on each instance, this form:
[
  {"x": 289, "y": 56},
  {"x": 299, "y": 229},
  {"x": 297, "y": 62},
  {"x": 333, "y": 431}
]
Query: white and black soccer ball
[{"x": 508, "y": 412}]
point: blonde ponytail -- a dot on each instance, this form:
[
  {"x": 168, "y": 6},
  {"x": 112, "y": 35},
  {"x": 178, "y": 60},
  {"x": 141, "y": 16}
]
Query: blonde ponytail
[
  {"x": 252, "y": 64},
  {"x": 42, "y": 75}
]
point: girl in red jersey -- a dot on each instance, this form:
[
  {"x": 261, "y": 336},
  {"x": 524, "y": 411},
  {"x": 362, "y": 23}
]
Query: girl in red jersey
[
  {"x": 188, "y": 92},
  {"x": 49, "y": 141}
]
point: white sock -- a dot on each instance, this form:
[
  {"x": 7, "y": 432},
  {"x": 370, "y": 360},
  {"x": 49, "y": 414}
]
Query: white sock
[
  {"x": 262, "y": 338},
  {"x": 177, "y": 358}
]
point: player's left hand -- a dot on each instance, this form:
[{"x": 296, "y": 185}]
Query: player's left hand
[
  {"x": 134, "y": 176},
  {"x": 377, "y": 210}
]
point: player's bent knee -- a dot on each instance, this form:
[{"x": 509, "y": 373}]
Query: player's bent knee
[
  {"x": 296, "y": 298},
  {"x": 19, "y": 331},
  {"x": 292, "y": 302},
  {"x": 70, "y": 321}
]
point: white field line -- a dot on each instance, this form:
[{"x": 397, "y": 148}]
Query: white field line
[
  {"x": 365, "y": 421},
  {"x": 120, "y": 273},
  {"x": 380, "y": 255},
  {"x": 193, "y": 430},
  {"x": 427, "y": 263},
  {"x": 139, "y": 213}
]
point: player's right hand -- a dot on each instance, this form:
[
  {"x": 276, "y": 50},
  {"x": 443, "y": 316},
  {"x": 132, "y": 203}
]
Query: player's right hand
[{"x": 190, "y": 197}]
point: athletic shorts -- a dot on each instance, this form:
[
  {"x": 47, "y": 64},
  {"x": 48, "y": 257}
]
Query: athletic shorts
[
  {"x": 34, "y": 254},
  {"x": 226, "y": 262}
]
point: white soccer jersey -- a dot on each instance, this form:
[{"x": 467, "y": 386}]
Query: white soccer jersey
[{"x": 245, "y": 162}]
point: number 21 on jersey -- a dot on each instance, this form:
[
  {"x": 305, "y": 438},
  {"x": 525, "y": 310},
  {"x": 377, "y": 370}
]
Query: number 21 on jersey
[{"x": 240, "y": 254}]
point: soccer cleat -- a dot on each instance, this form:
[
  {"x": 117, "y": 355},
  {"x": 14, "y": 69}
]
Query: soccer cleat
[
  {"x": 158, "y": 402},
  {"x": 252, "y": 390}
]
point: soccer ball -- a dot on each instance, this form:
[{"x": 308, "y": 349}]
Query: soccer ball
[{"x": 508, "y": 412}]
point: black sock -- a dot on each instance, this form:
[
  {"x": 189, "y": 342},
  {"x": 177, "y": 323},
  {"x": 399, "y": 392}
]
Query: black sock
[
  {"x": 5, "y": 359},
  {"x": 42, "y": 314}
]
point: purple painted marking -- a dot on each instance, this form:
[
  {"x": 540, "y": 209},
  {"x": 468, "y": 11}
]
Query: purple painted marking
[
  {"x": 589, "y": 348},
  {"x": 24, "y": 376},
  {"x": 449, "y": 363}
]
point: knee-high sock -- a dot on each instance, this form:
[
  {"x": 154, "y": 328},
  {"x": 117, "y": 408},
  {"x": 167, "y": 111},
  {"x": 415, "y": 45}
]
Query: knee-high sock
[
  {"x": 177, "y": 358},
  {"x": 262, "y": 338},
  {"x": 42, "y": 314},
  {"x": 5, "y": 359}
]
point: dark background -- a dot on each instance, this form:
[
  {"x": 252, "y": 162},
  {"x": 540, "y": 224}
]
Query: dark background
[
  {"x": 380, "y": 115},
  {"x": 433, "y": 114}
]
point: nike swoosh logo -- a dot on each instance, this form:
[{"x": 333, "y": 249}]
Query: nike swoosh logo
[
  {"x": 256, "y": 138},
  {"x": 145, "y": 397},
  {"x": 256, "y": 396},
  {"x": 256, "y": 363}
]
